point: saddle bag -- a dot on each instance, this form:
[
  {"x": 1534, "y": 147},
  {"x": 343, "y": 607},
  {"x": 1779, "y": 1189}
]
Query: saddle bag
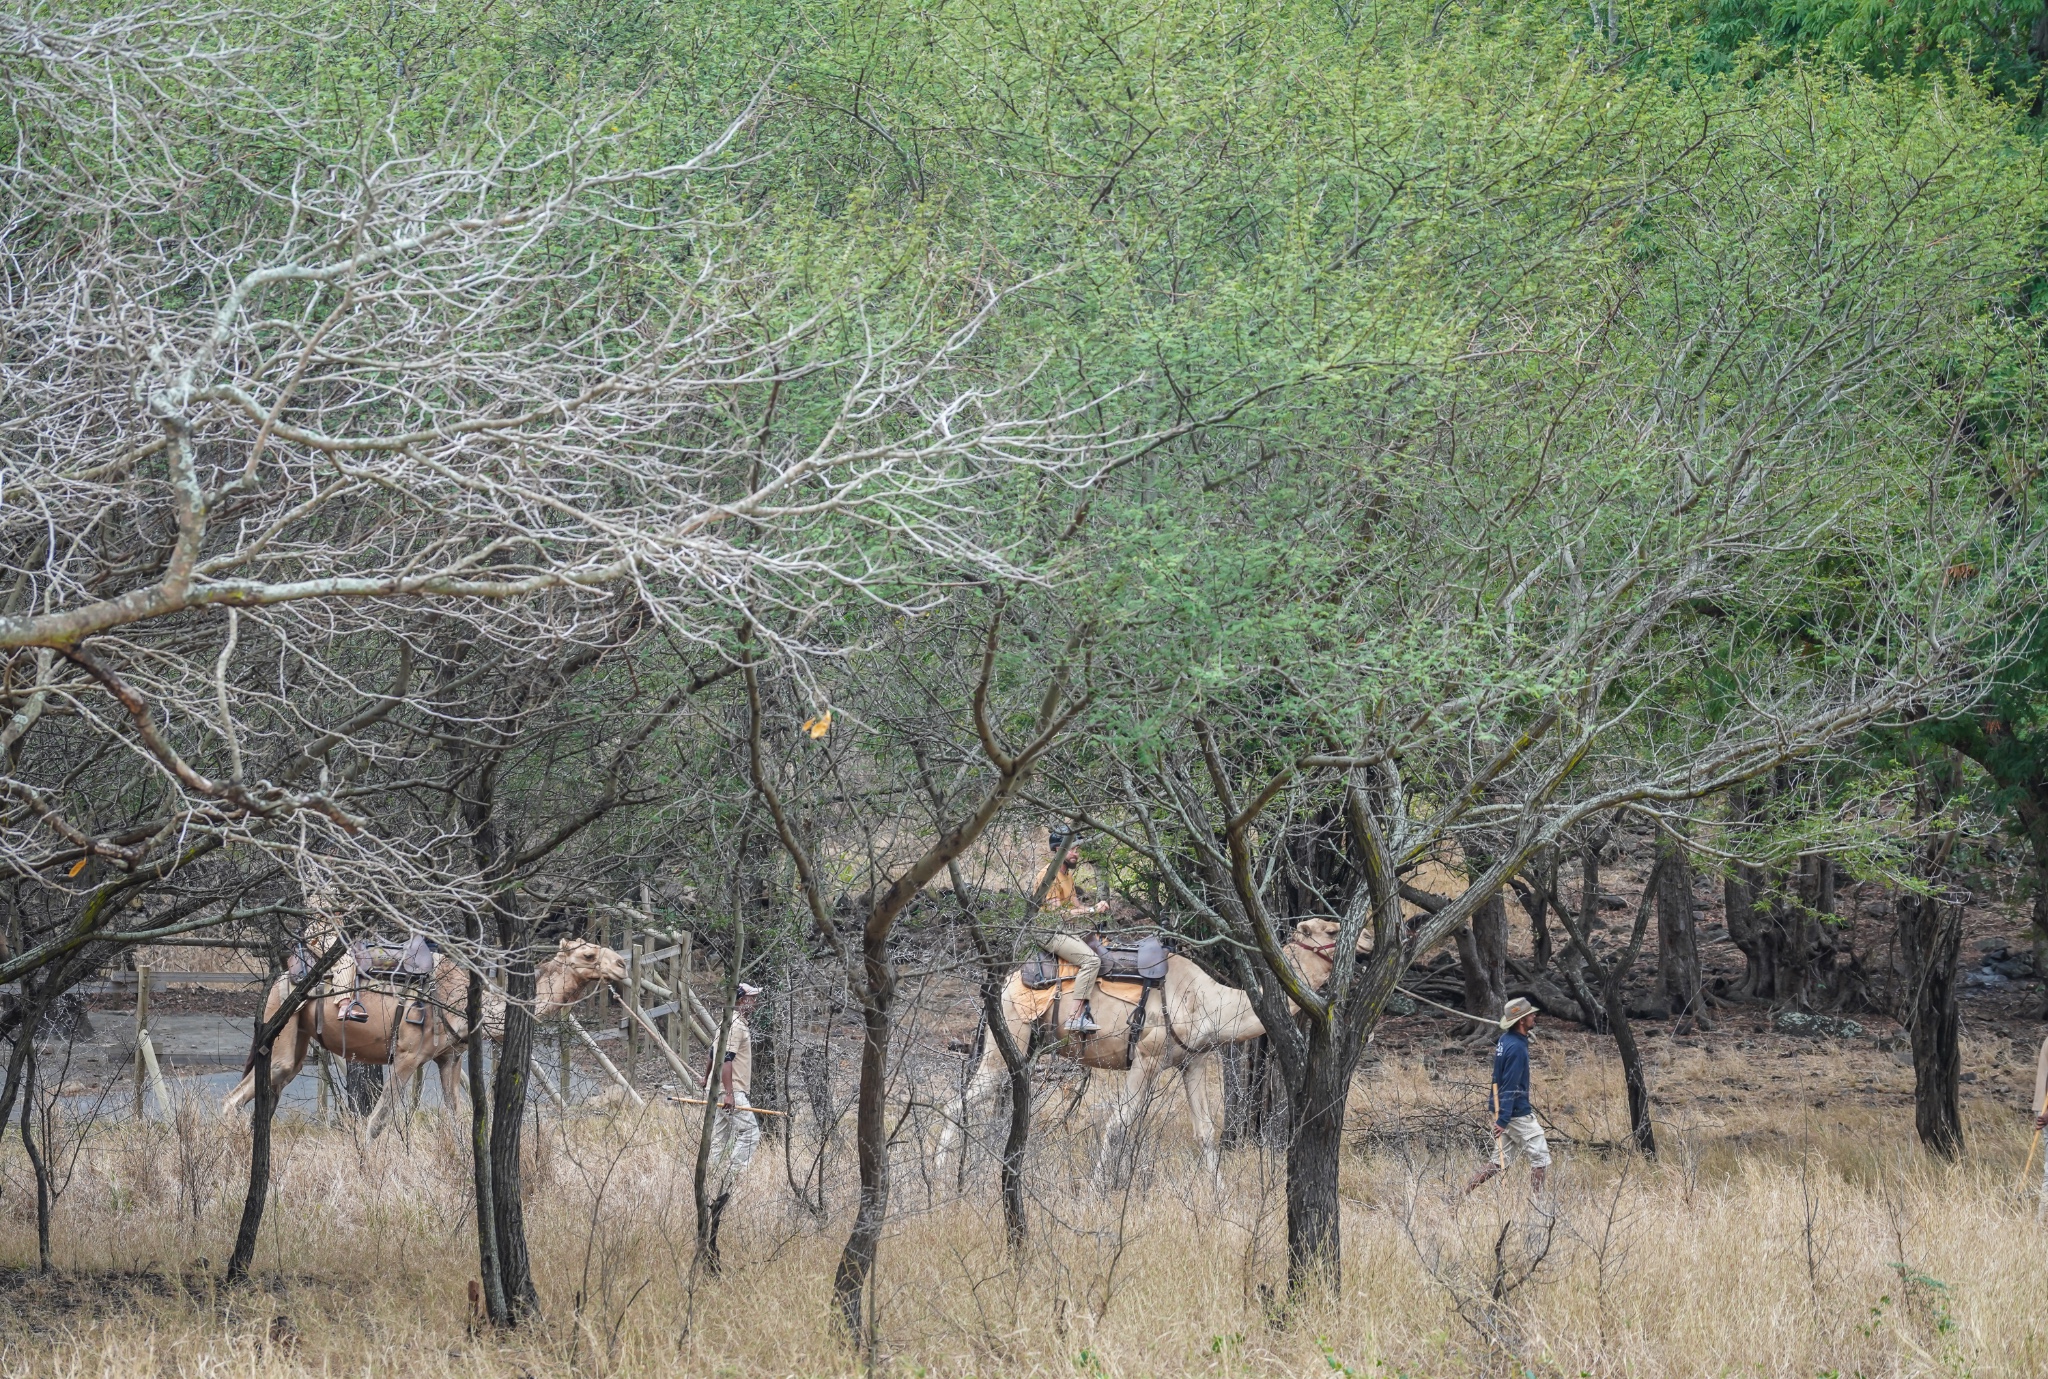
[
  {"x": 1137, "y": 960},
  {"x": 1040, "y": 970},
  {"x": 409, "y": 961}
]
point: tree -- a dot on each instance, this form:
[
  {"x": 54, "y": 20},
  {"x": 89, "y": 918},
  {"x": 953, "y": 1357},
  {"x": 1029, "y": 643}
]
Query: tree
[
  {"x": 1451, "y": 628},
  {"x": 859, "y": 932}
]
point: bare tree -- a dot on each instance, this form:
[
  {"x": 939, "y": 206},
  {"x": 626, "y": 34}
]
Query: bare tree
[{"x": 275, "y": 414}]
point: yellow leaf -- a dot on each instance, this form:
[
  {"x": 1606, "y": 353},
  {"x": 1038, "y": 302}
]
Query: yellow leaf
[
  {"x": 81, "y": 864},
  {"x": 819, "y": 726}
]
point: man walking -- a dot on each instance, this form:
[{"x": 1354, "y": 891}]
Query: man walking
[
  {"x": 735, "y": 1129},
  {"x": 1513, "y": 1117},
  {"x": 1060, "y": 885}
]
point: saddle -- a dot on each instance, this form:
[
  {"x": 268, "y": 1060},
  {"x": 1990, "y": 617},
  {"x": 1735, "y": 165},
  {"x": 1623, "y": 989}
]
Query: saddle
[
  {"x": 1139, "y": 962},
  {"x": 393, "y": 969},
  {"x": 1136, "y": 960}
]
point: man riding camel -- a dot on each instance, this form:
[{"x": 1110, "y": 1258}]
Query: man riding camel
[
  {"x": 1060, "y": 884},
  {"x": 1513, "y": 1117}
]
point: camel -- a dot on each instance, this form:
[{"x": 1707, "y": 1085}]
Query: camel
[
  {"x": 1187, "y": 1020},
  {"x": 406, "y": 1032}
]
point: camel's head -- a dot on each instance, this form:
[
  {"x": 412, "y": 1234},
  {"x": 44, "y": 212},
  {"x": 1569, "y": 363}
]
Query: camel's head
[
  {"x": 1317, "y": 935},
  {"x": 589, "y": 963}
]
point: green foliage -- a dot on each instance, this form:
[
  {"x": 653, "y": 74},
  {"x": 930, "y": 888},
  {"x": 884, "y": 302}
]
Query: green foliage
[{"x": 2001, "y": 42}]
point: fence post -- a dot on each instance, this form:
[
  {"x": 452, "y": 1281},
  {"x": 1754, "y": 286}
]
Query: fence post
[
  {"x": 562, "y": 1044},
  {"x": 678, "y": 973},
  {"x": 632, "y": 998},
  {"x": 141, "y": 1032},
  {"x": 604, "y": 990}
]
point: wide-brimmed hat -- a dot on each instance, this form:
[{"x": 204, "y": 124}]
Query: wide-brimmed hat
[
  {"x": 744, "y": 990},
  {"x": 1517, "y": 1011}
]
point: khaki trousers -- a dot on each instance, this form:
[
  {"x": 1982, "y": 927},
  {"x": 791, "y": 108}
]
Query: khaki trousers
[
  {"x": 1087, "y": 967},
  {"x": 735, "y": 1134}
]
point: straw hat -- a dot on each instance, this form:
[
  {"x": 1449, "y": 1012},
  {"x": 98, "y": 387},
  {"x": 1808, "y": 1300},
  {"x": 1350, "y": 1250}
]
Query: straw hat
[{"x": 1517, "y": 1010}]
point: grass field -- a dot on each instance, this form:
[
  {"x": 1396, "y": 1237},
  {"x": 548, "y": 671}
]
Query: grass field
[{"x": 1773, "y": 1236}]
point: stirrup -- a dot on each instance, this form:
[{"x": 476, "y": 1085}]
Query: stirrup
[
  {"x": 1083, "y": 1023},
  {"x": 355, "y": 1012}
]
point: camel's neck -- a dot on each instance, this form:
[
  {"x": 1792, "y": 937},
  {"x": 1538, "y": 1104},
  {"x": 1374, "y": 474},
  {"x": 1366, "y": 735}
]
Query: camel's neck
[
  {"x": 1239, "y": 1021},
  {"x": 1314, "y": 965}
]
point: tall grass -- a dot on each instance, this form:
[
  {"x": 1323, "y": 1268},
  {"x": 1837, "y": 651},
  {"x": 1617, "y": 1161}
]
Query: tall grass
[{"x": 1773, "y": 1237}]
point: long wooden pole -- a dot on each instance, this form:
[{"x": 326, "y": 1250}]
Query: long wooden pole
[
  {"x": 661, "y": 1044},
  {"x": 699, "y": 1101},
  {"x": 634, "y": 973},
  {"x": 605, "y": 1062},
  {"x": 141, "y": 1031}
]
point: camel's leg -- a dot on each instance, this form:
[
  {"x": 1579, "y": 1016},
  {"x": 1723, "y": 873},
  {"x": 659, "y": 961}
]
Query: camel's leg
[
  {"x": 1197, "y": 1079},
  {"x": 1123, "y": 1113},
  {"x": 405, "y": 1062},
  {"x": 288, "y": 1054},
  {"x": 287, "y": 1057},
  {"x": 981, "y": 1091},
  {"x": 245, "y": 1090},
  {"x": 242, "y": 1095},
  {"x": 450, "y": 1065}
]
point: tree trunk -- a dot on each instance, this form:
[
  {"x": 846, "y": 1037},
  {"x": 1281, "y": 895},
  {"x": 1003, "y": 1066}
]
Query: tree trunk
[
  {"x": 1539, "y": 913},
  {"x": 480, "y": 1148},
  {"x": 1930, "y": 939},
  {"x": 1483, "y": 959},
  {"x": 2033, "y": 815},
  {"x": 1641, "y": 1134},
  {"x": 264, "y": 1109},
  {"x": 1017, "y": 1063},
  {"x": 35, "y": 1157},
  {"x": 871, "y": 1143},
  {"x": 1739, "y": 893},
  {"x": 508, "y": 1120},
  {"x": 1678, "y": 949},
  {"x": 1315, "y": 1245}
]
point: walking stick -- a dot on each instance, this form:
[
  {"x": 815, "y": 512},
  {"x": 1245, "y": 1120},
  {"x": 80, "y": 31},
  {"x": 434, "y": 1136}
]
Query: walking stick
[
  {"x": 2027, "y": 1173},
  {"x": 699, "y": 1101}
]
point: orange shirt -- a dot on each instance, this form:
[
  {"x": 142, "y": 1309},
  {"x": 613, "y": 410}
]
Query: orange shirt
[{"x": 1062, "y": 894}]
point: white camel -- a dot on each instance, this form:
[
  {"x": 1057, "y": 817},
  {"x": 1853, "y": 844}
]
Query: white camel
[{"x": 1187, "y": 1020}]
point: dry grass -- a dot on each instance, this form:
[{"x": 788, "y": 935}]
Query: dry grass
[{"x": 1773, "y": 1237}]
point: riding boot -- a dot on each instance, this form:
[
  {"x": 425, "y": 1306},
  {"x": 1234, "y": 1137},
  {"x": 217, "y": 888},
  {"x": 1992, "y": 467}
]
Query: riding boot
[
  {"x": 1484, "y": 1175},
  {"x": 1083, "y": 1021}
]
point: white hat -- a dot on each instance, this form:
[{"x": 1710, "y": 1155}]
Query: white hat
[
  {"x": 745, "y": 991},
  {"x": 1518, "y": 1010}
]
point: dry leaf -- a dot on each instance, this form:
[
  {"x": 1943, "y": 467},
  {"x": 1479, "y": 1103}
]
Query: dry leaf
[
  {"x": 81, "y": 864},
  {"x": 819, "y": 726}
]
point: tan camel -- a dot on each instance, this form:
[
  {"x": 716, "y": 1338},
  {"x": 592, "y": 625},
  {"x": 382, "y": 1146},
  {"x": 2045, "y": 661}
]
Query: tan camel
[
  {"x": 1187, "y": 1020},
  {"x": 407, "y": 1032}
]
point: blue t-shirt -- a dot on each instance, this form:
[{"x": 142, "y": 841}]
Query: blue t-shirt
[{"x": 1511, "y": 1077}]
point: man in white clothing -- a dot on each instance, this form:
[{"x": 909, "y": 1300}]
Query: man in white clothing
[{"x": 735, "y": 1129}]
